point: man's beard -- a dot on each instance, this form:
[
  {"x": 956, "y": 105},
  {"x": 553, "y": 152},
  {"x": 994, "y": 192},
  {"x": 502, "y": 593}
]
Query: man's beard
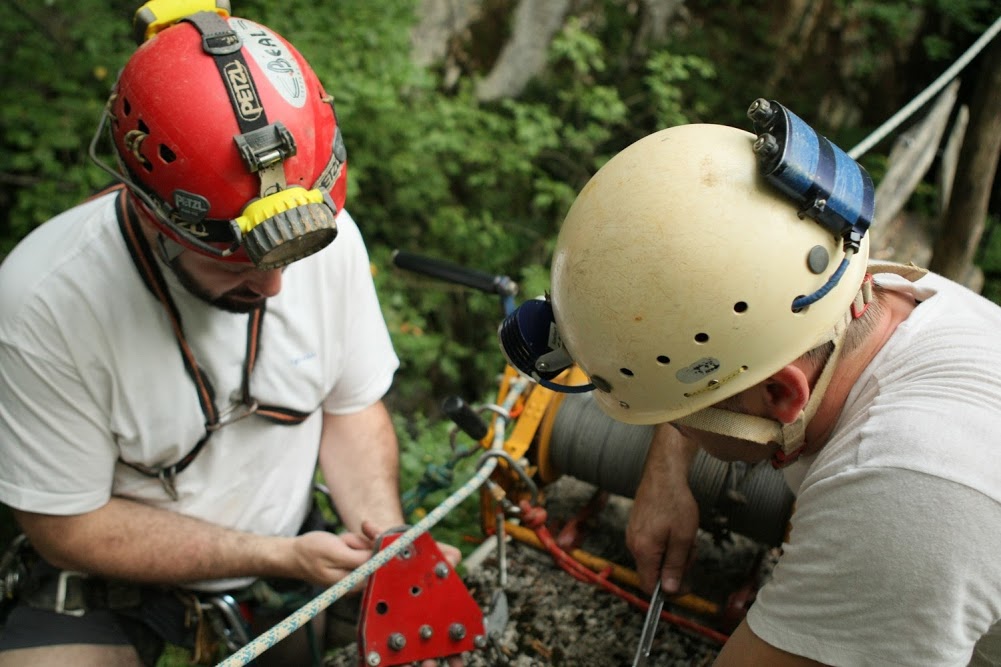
[{"x": 233, "y": 301}]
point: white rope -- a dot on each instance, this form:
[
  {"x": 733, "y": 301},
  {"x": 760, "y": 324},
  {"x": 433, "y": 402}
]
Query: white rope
[{"x": 937, "y": 85}]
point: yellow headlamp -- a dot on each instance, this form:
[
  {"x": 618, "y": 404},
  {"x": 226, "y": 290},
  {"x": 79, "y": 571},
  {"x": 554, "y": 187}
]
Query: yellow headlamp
[
  {"x": 286, "y": 226},
  {"x": 157, "y": 15}
]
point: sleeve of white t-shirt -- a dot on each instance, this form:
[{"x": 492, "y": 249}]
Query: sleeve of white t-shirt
[
  {"x": 885, "y": 566},
  {"x": 370, "y": 361},
  {"x": 46, "y": 401}
]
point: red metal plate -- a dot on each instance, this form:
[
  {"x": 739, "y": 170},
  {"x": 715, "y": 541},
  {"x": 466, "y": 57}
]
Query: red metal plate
[{"x": 416, "y": 607}]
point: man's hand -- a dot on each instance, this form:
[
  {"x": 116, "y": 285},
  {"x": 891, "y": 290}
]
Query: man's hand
[
  {"x": 665, "y": 517},
  {"x": 371, "y": 532},
  {"x": 324, "y": 558}
]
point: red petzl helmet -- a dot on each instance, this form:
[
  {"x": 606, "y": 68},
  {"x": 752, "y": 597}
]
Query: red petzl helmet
[{"x": 225, "y": 133}]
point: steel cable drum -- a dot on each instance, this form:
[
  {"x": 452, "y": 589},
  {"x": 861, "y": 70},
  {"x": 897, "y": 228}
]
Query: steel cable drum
[
  {"x": 764, "y": 495},
  {"x": 588, "y": 445},
  {"x": 592, "y": 447}
]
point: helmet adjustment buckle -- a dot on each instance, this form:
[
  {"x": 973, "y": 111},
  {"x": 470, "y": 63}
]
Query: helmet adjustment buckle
[{"x": 265, "y": 146}]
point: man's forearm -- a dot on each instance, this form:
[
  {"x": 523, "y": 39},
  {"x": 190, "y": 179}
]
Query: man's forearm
[
  {"x": 128, "y": 540},
  {"x": 672, "y": 452},
  {"x": 359, "y": 457}
]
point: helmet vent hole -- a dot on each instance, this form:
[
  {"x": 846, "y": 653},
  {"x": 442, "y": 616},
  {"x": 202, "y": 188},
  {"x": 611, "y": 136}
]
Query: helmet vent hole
[
  {"x": 626, "y": 372},
  {"x": 701, "y": 338},
  {"x": 166, "y": 154},
  {"x": 663, "y": 359},
  {"x": 126, "y": 106},
  {"x": 143, "y": 127},
  {"x": 740, "y": 307}
]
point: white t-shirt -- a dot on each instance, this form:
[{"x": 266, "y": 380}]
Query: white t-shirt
[
  {"x": 894, "y": 556},
  {"x": 90, "y": 371}
]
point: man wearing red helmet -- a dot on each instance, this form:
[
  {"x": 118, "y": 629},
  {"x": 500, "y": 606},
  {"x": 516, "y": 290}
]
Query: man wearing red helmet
[{"x": 180, "y": 352}]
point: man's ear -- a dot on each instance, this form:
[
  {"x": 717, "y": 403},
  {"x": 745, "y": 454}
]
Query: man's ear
[{"x": 786, "y": 393}]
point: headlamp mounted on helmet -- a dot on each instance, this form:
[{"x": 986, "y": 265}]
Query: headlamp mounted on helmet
[{"x": 225, "y": 135}]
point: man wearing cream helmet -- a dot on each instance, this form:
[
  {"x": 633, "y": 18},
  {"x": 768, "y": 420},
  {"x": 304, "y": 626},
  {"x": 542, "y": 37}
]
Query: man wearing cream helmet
[{"x": 716, "y": 282}]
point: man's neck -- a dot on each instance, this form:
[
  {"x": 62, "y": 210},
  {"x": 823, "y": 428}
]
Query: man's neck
[{"x": 896, "y": 308}]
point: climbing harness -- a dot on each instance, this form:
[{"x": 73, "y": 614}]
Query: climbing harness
[{"x": 147, "y": 265}]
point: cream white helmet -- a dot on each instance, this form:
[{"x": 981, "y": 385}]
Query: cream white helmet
[{"x": 675, "y": 272}]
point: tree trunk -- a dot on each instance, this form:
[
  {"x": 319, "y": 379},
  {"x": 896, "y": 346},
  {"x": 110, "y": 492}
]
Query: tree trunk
[
  {"x": 967, "y": 212},
  {"x": 524, "y": 56},
  {"x": 440, "y": 21}
]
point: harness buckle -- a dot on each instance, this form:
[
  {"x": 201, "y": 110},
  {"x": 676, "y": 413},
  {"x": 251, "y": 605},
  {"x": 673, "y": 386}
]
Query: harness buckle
[
  {"x": 167, "y": 477},
  {"x": 63, "y": 589},
  {"x": 234, "y": 413}
]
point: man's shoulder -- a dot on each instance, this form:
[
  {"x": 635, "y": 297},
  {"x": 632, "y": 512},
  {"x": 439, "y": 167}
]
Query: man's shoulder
[
  {"x": 950, "y": 340},
  {"x": 944, "y": 301},
  {"x": 930, "y": 401},
  {"x": 941, "y": 421},
  {"x": 64, "y": 265}
]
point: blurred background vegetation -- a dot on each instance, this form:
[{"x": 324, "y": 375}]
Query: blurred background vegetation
[{"x": 471, "y": 124}]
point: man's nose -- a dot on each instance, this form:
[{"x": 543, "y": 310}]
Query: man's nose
[{"x": 266, "y": 283}]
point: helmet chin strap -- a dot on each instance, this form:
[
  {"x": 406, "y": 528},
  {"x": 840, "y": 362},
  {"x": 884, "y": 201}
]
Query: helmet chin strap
[{"x": 790, "y": 437}]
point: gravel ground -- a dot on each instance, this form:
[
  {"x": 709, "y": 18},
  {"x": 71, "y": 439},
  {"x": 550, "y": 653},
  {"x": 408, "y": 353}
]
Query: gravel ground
[{"x": 556, "y": 620}]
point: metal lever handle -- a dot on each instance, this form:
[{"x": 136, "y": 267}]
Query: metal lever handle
[
  {"x": 453, "y": 273},
  {"x": 465, "y": 417}
]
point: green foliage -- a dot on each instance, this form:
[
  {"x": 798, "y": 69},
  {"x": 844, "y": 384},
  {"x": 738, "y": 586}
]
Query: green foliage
[
  {"x": 425, "y": 443},
  {"x": 667, "y": 73},
  {"x": 57, "y": 70},
  {"x": 174, "y": 656}
]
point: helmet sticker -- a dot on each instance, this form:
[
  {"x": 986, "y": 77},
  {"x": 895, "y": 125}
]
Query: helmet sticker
[
  {"x": 275, "y": 60},
  {"x": 696, "y": 371}
]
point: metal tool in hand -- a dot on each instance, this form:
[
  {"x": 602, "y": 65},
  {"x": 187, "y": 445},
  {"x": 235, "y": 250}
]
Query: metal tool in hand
[{"x": 649, "y": 626}]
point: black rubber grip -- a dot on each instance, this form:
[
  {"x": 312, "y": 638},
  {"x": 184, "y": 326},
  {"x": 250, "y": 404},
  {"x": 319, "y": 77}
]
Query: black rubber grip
[
  {"x": 453, "y": 273},
  {"x": 465, "y": 417}
]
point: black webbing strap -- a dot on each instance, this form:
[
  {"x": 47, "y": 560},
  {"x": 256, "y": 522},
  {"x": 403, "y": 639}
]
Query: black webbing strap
[
  {"x": 224, "y": 45},
  {"x": 146, "y": 263}
]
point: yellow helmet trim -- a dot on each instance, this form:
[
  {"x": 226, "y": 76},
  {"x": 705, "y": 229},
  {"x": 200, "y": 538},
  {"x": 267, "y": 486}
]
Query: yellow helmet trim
[{"x": 257, "y": 212}]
